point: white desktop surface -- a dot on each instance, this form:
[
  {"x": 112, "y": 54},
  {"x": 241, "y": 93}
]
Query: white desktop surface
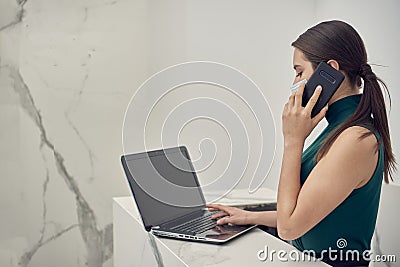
[
  {"x": 133, "y": 246},
  {"x": 242, "y": 197}
]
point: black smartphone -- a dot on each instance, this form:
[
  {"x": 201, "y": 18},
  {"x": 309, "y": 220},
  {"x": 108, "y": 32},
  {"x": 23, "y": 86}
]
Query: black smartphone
[{"x": 330, "y": 80}]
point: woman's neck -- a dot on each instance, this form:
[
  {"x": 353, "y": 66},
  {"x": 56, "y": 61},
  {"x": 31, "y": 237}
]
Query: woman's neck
[{"x": 343, "y": 92}]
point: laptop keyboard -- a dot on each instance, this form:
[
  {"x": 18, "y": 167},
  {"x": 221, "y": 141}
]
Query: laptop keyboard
[{"x": 197, "y": 225}]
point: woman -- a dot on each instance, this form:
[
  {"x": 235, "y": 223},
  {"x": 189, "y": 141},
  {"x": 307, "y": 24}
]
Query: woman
[{"x": 330, "y": 192}]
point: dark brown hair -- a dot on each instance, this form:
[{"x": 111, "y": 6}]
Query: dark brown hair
[{"x": 339, "y": 41}]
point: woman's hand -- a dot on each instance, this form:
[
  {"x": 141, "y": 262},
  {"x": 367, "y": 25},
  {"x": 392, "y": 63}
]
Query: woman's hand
[
  {"x": 236, "y": 216},
  {"x": 297, "y": 123}
]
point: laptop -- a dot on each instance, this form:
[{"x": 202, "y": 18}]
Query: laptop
[{"x": 169, "y": 198}]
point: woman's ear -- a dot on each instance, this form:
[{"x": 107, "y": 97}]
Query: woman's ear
[{"x": 334, "y": 64}]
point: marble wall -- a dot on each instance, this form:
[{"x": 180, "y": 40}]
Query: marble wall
[{"x": 68, "y": 69}]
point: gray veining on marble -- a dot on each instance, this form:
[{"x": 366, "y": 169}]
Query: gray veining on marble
[
  {"x": 76, "y": 101},
  {"x": 54, "y": 97},
  {"x": 17, "y": 16},
  {"x": 67, "y": 71},
  {"x": 190, "y": 253},
  {"x": 156, "y": 251},
  {"x": 98, "y": 241},
  {"x": 27, "y": 256}
]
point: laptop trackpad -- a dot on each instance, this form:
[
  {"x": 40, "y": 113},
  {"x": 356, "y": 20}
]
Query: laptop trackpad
[{"x": 222, "y": 232}]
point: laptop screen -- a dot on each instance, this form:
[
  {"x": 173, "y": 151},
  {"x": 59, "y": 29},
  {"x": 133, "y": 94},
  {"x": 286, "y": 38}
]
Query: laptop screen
[{"x": 152, "y": 177}]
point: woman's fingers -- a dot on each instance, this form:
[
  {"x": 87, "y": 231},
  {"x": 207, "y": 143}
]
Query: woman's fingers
[
  {"x": 291, "y": 101},
  {"x": 224, "y": 220},
  {"x": 320, "y": 115},
  {"x": 217, "y": 206},
  {"x": 313, "y": 100},
  {"x": 228, "y": 214},
  {"x": 299, "y": 95},
  {"x": 211, "y": 207},
  {"x": 218, "y": 215},
  {"x": 214, "y": 207}
]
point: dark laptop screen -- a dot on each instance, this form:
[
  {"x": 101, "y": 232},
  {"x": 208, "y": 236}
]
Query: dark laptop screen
[{"x": 147, "y": 168}]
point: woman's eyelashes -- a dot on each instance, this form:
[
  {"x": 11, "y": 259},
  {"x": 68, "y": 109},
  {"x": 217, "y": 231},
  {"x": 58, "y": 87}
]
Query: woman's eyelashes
[{"x": 299, "y": 74}]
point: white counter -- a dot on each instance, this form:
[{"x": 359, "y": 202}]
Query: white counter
[{"x": 133, "y": 246}]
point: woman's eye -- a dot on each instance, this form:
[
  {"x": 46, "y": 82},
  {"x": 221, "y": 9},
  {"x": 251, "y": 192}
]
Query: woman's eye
[{"x": 299, "y": 74}]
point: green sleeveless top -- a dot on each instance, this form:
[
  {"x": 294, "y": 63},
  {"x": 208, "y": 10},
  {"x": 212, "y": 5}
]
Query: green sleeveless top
[{"x": 354, "y": 219}]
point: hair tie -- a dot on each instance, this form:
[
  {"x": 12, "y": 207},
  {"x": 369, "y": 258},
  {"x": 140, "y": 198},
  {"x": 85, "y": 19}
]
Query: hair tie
[{"x": 366, "y": 72}]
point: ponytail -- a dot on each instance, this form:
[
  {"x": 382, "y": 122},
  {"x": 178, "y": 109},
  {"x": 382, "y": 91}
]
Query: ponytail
[
  {"x": 340, "y": 41},
  {"x": 370, "y": 111}
]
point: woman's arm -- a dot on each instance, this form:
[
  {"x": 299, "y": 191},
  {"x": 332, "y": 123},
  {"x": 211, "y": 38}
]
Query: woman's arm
[
  {"x": 347, "y": 165},
  {"x": 267, "y": 218},
  {"x": 239, "y": 216}
]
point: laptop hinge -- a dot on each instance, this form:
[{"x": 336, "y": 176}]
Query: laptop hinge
[{"x": 148, "y": 228}]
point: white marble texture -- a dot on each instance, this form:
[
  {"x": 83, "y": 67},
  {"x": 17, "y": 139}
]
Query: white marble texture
[
  {"x": 242, "y": 251},
  {"x": 64, "y": 90},
  {"x": 133, "y": 245},
  {"x": 150, "y": 251},
  {"x": 68, "y": 69}
]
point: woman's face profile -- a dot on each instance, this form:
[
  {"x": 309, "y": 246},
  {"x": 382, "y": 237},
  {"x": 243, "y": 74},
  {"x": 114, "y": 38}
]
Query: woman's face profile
[{"x": 303, "y": 68}]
